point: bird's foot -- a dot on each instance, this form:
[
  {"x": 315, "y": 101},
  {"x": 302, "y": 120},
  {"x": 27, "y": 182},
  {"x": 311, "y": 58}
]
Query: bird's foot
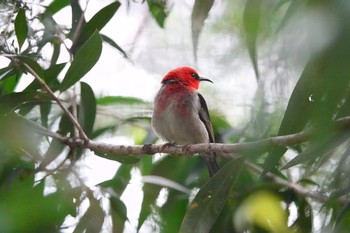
[
  {"x": 186, "y": 149},
  {"x": 147, "y": 148},
  {"x": 166, "y": 145}
]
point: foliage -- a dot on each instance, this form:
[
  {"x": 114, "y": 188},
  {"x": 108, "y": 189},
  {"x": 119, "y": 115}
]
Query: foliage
[{"x": 41, "y": 185}]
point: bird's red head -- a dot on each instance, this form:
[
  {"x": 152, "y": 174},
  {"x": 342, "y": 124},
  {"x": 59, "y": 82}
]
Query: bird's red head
[{"x": 184, "y": 76}]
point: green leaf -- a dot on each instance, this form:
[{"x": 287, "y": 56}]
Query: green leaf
[
  {"x": 298, "y": 112},
  {"x": 84, "y": 60},
  {"x": 98, "y": 21},
  {"x": 251, "y": 21},
  {"x": 57, "y": 5},
  {"x": 120, "y": 180},
  {"x": 200, "y": 12},
  {"x": 112, "y": 43},
  {"x": 8, "y": 86},
  {"x": 211, "y": 198},
  {"x": 21, "y": 27},
  {"x": 21, "y": 199},
  {"x": 78, "y": 20},
  {"x": 34, "y": 66},
  {"x": 50, "y": 75},
  {"x": 87, "y": 110},
  {"x": 118, "y": 214},
  {"x": 7, "y": 72},
  {"x": 12, "y": 101},
  {"x": 172, "y": 212},
  {"x": 158, "y": 9},
  {"x": 55, "y": 148},
  {"x": 93, "y": 218},
  {"x": 108, "y": 100}
]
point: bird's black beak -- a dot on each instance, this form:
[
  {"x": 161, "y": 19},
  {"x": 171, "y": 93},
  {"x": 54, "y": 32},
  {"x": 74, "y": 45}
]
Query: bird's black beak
[{"x": 205, "y": 79}]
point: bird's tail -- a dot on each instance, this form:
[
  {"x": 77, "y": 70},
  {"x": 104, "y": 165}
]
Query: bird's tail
[{"x": 212, "y": 165}]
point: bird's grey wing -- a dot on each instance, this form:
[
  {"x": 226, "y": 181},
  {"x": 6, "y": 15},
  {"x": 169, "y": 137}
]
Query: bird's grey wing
[
  {"x": 205, "y": 118},
  {"x": 210, "y": 159}
]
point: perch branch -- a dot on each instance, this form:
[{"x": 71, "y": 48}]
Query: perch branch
[{"x": 227, "y": 150}]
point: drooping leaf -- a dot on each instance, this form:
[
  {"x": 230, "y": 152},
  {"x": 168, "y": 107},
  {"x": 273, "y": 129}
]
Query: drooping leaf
[
  {"x": 118, "y": 214},
  {"x": 120, "y": 180},
  {"x": 159, "y": 11},
  {"x": 84, "y": 60},
  {"x": 55, "y": 148},
  {"x": 57, "y": 5},
  {"x": 21, "y": 27},
  {"x": 87, "y": 110},
  {"x": 78, "y": 20},
  {"x": 99, "y": 20},
  {"x": 200, "y": 12},
  {"x": 251, "y": 22},
  {"x": 112, "y": 43},
  {"x": 298, "y": 112},
  {"x": 172, "y": 212},
  {"x": 211, "y": 198},
  {"x": 93, "y": 218},
  {"x": 179, "y": 175},
  {"x": 96, "y": 23},
  {"x": 319, "y": 147}
]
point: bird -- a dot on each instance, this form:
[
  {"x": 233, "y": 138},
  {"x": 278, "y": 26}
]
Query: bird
[{"x": 180, "y": 114}]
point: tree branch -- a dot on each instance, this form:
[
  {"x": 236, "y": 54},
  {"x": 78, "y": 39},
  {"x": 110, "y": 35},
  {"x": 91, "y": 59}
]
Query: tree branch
[
  {"x": 65, "y": 110},
  {"x": 227, "y": 150}
]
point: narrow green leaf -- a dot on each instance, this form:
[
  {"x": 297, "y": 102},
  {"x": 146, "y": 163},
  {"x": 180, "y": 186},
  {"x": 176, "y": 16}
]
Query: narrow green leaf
[
  {"x": 112, "y": 43},
  {"x": 50, "y": 75},
  {"x": 200, "y": 12},
  {"x": 251, "y": 21},
  {"x": 84, "y": 60},
  {"x": 118, "y": 214},
  {"x": 57, "y": 5},
  {"x": 12, "y": 101},
  {"x": 77, "y": 15},
  {"x": 159, "y": 11},
  {"x": 8, "y": 85},
  {"x": 87, "y": 110},
  {"x": 6, "y": 72},
  {"x": 93, "y": 218},
  {"x": 21, "y": 27},
  {"x": 298, "y": 112},
  {"x": 108, "y": 100},
  {"x": 98, "y": 21},
  {"x": 31, "y": 63},
  {"x": 120, "y": 180},
  {"x": 211, "y": 198}
]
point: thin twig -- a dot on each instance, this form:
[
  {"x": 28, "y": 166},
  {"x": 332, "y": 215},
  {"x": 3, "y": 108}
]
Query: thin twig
[{"x": 65, "y": 110}]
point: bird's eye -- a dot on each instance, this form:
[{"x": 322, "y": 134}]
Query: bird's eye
[{"x": 195, "y": 76}]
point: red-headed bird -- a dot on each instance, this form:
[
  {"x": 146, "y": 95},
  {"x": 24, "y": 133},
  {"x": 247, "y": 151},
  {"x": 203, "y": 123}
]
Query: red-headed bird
[{"x": 181, "y": 114}]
